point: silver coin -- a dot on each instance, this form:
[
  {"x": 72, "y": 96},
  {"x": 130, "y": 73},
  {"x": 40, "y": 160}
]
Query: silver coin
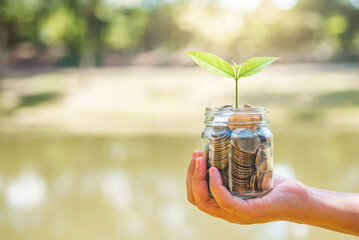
[
  {"x": 226, "y": 106},
  {"x": 246, "y": 140}
]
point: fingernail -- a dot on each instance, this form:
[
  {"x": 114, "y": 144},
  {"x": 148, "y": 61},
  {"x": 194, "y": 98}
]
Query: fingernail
[
  {"x": 198, "y": 162},
  {"x": 211, "y": 171}
]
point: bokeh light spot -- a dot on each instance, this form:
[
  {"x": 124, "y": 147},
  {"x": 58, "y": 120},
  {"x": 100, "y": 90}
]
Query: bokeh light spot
[
  {"x": 122, "y": 3},
  {"x": 26, "y": 191},
  {"x": 250, "y": 5},
  {"x": 355, "y": 3},
  {"x": 336, "y": 25}
]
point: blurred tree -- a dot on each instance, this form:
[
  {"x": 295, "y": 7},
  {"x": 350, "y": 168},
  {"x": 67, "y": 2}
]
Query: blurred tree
[
  {"x": 125, "y": 34},
  {"x": 84, "y": 32}
]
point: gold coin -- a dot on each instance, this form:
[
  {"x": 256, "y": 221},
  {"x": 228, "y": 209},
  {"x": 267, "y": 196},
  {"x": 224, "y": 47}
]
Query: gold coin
[
  {"x": 265, "y": 182},
  {"x": 244, "y": 121},
  {"x": 254, "y": 183}
]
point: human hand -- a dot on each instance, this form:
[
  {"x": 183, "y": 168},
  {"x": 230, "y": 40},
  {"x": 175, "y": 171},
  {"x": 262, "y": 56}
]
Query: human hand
[{"x": 287, "y": 200}]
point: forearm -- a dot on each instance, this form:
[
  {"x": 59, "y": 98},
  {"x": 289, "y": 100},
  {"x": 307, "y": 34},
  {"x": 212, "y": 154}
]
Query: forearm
[{"x": 333, "y": 210}]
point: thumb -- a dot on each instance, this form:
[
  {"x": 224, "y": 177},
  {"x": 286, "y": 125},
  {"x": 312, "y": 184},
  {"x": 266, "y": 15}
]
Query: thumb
[{"x": 223, "y": 197}]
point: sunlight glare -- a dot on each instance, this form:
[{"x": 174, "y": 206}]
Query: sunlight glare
[
  {"x": 217, "y": 27},
  {"x": 249, "y": 5},
  {"x": 122, "y": 3},
  {"x": 241, "y": 4},
  {"x": 355, "y": 3},
  {"x": 285, "y": 4}
]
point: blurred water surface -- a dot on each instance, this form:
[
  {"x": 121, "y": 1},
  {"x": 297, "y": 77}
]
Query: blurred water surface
[
  {"x": 90, "y": 154},
  {"x": 66, "y": 186}
]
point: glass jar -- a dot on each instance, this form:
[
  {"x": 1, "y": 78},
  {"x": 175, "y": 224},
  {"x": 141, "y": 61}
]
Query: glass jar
[{"x": 239, "y": 143}]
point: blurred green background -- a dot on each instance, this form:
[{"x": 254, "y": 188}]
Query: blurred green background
[{"x": 100, "y": 109}]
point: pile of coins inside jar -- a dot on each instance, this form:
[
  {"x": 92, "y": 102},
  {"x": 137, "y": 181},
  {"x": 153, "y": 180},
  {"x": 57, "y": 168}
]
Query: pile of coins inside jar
[{"x": 241, "y": 149}]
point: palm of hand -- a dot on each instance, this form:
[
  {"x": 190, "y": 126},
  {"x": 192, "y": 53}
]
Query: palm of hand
[{"x": 285, "y": 201}]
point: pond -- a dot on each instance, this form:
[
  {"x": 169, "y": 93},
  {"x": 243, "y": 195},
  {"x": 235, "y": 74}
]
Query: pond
[{"x": 66, "y": 186}]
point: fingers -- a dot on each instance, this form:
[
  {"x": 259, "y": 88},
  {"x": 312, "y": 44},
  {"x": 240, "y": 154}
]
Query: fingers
[
  {"x": 201, "y": 194},
  {"x": 222, "y": 196},
  {"x": 190, "y": 172},
  {"x": 199, "y": 184}
]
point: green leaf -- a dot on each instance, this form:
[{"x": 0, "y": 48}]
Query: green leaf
[
  {"x": 236, "y": 67},
  {"x": 212, "y": 63},
  {"x": 255, "y": 65}
]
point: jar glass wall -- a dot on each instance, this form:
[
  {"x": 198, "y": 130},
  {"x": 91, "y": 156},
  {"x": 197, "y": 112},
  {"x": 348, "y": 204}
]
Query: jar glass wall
[{"x": 239, "y": 143}]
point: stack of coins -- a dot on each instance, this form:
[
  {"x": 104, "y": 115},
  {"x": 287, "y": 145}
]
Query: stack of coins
[
  {"x": 245, "y": 144},
  {"x": 244, "y": 121},
  {"x": 261, "y": 180},
  {"x": 238, "y": 147},
  {"x": 217, "y": 151}
]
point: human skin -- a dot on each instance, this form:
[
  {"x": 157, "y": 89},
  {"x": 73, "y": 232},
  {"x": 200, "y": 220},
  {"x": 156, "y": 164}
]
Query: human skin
[{"x": 290, "y": 200}]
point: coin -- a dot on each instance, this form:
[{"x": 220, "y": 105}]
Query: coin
[
  {"x": 263, "y": 166},
  {"x": 265, "y": 135},
  {"x": 218, "y": 148},
  {"x": 226, "y": 106},
  {"x": 242, "y": 166},
  {"x": 239, "y": 121},
  {"x": 248, "y": 119},
  {"x": 265, "y": 180},
  {"x": 260, "y": 179},
  {"x": 224, "y": 174},
  {"x": 247, "y": 106},
  {"x": 246, "y": 140},
  {"x": 258, "y": 157},
  {"x": 254, "y": 183}
]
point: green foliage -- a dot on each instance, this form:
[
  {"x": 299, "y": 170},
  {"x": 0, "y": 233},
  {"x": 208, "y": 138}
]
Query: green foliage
[
  {"x": 79, "y": 27},
  {"x": 236, "y": 67},
  {"x": 212, "y": 63},
  {"x": 61, "y": 26},
  {"x": 217, "y": 65},
  {"x": 255, "y": 65},
  {"x": 37, "y": 99},
  {"x": 123, "y": 32},
  {"x": 336, "y": 25}
]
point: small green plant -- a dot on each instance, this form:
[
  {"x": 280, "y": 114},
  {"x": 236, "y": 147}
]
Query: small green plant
[{"x": 218, "y": 66}]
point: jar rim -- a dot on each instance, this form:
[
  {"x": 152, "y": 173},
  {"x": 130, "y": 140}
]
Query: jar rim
[
  {"x": 253, "y": 109},
  {"x": 223, "y": 114}
]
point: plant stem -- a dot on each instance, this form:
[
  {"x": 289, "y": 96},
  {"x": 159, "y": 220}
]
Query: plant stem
[{"x": 236, "y": 93}]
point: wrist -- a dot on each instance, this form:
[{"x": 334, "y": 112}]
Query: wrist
[
  {"x": 332, "y": 210},
  {"x": 307, "y": 206},
  {"x": 300, "y": 207}
]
